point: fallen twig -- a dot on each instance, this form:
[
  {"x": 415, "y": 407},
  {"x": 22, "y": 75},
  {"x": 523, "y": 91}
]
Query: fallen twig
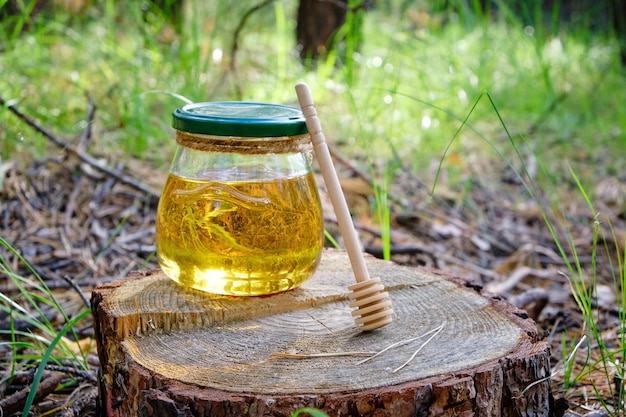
[
  {"x": 83, "y": 398},
  {"x": 415, "y": 248},
  {"x": 78, "y": 290},
  {"x": 72, "y": 371},
  {"x": 318, "y": 355},
  {"x": 235, "y": 43},
  {"x": 84, "y": 157},
  {"x": 356, "y": 170},
  {"x": 532, "y": 300},
  {"x": 434, "y": 333},
  {"x": 17, "y": 400},
  {"x": 502, "y": 287}
]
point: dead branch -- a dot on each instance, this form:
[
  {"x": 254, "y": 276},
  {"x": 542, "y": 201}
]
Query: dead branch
[
  {"x": 235, "y": 44},
  {"x": 83, "y": 398},
  {"x": 83, "y": 156},
  {"x": 69, "y": 370},
  {"x": 501, "y": 287},
  {"x": 15, "y": 401},
  {"x": 533, "y": 300},
  {"x": 413, "y": 249},
  {"x": 78, "y": 290},
  {"x": 356, "y": 170}
]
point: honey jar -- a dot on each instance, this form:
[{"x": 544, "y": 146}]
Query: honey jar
[{"x": 240, "y": 212}]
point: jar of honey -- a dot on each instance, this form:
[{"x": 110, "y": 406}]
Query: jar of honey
[{"x": 240, "y": 212}]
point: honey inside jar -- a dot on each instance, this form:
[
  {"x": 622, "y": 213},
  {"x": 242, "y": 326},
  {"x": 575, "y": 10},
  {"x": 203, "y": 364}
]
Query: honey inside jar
[
  {"x": 239, "y": 237},
  {"x": 240, "y": 212}
]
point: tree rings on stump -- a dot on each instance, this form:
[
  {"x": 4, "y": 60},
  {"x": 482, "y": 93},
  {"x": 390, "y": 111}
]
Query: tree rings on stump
[{"x": 167, "y": 350}]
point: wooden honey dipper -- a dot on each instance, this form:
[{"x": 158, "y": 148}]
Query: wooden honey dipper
[{"x": 371, "y": 303}]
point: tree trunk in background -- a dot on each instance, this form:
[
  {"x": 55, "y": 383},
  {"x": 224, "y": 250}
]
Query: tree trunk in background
[
  {"x": 318, "y": 21},
  {"x": 617, "y": 13}
]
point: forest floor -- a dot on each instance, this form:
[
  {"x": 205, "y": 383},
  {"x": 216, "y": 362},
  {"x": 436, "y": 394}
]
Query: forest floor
[{"x": 79, "y": 226}]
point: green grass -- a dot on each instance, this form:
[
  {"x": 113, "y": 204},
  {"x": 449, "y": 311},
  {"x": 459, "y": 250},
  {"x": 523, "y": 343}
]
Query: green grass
[
  {"x": 608, "y": 359},
  {"x": 41, "y": 341},
  {"x": 390, "y": 92},
  {"x": 309, "y": 412},
  {"x": 602, "y": 357}
]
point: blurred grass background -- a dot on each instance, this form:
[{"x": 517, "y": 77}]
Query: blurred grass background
[{"x": 419, "y": 70}]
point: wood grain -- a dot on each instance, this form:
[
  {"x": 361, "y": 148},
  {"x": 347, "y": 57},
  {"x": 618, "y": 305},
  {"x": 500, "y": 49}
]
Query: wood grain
[{"x": 221, "y": 348}]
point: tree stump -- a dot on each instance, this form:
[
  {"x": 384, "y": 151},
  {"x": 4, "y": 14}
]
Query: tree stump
[{"x": 168, "y": 351}]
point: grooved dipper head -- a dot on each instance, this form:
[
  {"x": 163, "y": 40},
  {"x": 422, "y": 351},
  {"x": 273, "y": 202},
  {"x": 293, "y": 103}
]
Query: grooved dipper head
[{"x": 371, "y": 303}]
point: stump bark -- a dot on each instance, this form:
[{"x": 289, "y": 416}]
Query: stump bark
[{"x": 168, "y": 351}]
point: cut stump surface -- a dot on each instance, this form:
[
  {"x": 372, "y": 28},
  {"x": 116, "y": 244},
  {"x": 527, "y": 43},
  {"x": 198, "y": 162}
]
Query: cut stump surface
[{"x": 166, "y": 350}]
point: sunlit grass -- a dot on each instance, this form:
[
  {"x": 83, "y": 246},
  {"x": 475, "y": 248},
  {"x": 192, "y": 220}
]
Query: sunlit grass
[
  {"x": 565, "y": 82},
  {"x": 606, "y": 356},
  {"x": 601, "y": 348}
]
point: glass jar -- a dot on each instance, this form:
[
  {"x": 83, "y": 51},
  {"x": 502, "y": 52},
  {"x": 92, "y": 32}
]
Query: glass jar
[{"x": 240, "y": 212}]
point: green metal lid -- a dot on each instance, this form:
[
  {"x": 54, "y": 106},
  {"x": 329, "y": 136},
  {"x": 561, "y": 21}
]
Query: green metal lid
[{"x": 238, "y": 118}]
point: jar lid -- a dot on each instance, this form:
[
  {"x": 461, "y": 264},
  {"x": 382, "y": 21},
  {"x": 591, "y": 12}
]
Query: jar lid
[{"x": 239, "y": 118}]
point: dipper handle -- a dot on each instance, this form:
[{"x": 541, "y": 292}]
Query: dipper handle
[
  {"x": 329, "y": 174},
  {"x": 371, "y": 304}
]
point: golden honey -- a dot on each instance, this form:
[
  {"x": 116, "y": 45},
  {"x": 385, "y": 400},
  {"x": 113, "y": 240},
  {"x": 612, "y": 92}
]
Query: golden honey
[{"x": 240, "y": 237}]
